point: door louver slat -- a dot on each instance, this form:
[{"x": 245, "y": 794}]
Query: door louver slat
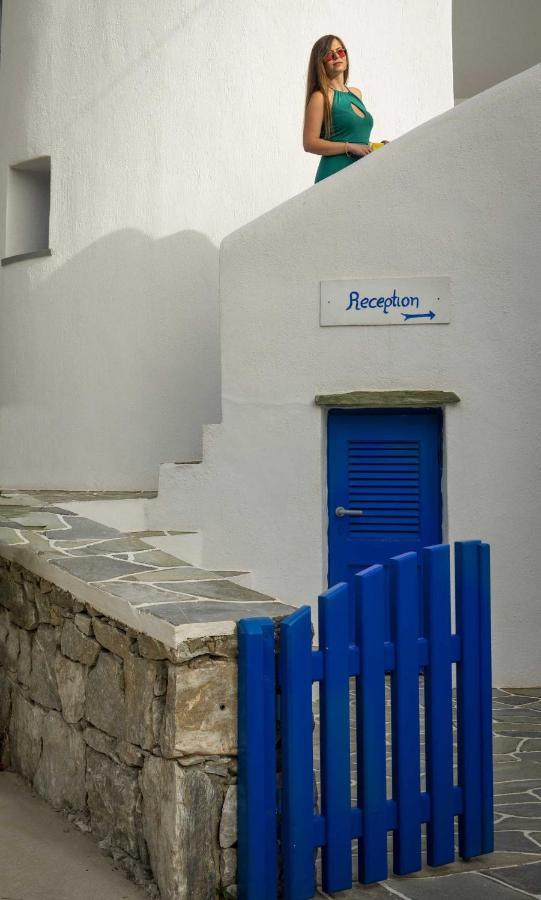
[{"x": 384, "y": 481}]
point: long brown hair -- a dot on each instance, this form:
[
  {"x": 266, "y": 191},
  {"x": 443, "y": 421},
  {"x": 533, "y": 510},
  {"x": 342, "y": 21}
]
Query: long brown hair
[{"x": 317, "y": 79}]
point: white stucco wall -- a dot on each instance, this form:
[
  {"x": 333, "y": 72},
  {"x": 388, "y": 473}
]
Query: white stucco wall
[
  {"x": 458, "y": 196},
  {"x": 168, "y": 125},
  {"x": 493, "y": 40}
]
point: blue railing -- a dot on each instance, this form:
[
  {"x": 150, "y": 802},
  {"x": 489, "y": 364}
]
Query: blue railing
[{"x": 279, "y": 827}]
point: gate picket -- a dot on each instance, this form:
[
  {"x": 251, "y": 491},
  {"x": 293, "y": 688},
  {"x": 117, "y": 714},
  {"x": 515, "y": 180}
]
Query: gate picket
[
  {"x": 371, "y": 765},
  {"x": 439, "y": 706},
  {"x": 405, "y": 714},
  {"x": 487, "y": 780},
  {"x": 257, "y": 870},
  {"x": 335, "y": 739},
  {"x": 468, "y": 695},
  {"x": 297, "y": 813}
]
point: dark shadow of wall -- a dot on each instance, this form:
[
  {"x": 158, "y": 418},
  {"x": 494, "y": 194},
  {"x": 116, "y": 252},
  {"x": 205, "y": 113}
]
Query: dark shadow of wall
[{"x": 111, "y": 364}]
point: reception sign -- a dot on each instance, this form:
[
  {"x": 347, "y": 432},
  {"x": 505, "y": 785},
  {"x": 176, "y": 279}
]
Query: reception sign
[{"x": 386, "y": 301}]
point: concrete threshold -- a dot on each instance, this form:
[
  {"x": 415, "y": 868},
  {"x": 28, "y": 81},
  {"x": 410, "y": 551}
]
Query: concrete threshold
[{"x": 44, "y": 857}]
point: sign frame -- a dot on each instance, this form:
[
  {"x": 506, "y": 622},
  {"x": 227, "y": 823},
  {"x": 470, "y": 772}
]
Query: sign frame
[{"x": 387, "y": 300}]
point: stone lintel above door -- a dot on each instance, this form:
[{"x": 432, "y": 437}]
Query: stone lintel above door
[{"x": 379, "y": 399}]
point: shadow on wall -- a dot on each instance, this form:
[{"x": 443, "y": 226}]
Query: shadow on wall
[{"x": 114, "y": 359}]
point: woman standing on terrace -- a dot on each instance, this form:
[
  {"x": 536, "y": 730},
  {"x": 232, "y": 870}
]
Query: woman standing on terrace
[{"x": 337, "y": 124}]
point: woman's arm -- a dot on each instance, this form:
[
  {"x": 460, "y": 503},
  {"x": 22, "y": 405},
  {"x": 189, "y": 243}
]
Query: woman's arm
[{"x": 311, "y": 140}]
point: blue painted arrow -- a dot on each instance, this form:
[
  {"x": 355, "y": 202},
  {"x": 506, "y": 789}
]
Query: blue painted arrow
[{"x": 428, "y": 315}]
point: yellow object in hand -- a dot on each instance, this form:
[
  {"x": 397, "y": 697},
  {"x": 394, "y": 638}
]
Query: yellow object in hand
[{"x": 377, "y": 145}]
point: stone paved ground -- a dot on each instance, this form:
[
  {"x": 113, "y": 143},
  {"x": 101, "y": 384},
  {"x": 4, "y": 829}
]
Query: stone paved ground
[{"x": 514, "y": 869}]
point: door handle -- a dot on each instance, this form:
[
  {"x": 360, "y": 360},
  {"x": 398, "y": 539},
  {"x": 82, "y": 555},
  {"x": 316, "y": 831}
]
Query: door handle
[{"x": 340, "y": 511}]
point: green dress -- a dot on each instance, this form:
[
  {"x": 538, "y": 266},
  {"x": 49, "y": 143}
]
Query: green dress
[{"x": 346, "y": 126}]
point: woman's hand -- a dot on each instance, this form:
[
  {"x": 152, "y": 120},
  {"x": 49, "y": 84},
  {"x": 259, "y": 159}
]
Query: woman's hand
[{"x": 359, "y": 149}]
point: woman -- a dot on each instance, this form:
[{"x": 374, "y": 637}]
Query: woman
[{"x": 337, "y": 124}]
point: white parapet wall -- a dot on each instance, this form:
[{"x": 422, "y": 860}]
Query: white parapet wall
[
  {"x": 458, "y": 196},
  {"x": 168, "y": 125}
]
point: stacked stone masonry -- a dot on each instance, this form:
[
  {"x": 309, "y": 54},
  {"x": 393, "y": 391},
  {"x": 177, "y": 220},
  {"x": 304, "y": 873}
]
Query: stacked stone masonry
[{"x": 136, "y": 741}]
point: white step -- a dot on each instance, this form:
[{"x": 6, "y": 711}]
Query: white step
[
  {"x": 125, "y": 514},
  {"x": 188, "y": 545}
]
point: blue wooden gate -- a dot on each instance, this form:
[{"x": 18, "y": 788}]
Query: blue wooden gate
[{"x": 280, "y": 829}]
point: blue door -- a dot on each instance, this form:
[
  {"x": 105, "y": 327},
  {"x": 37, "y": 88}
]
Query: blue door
[{"x": 384, "y": 486}]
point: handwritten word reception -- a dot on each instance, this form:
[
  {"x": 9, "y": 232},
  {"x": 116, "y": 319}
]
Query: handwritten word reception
[{"x": 386, "y": 301}]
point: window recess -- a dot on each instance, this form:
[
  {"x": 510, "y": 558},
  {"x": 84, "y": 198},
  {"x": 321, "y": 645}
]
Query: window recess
[{"x": 28, "y": 209}]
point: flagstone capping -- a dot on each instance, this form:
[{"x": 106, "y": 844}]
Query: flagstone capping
[
  {"x": 150, "y": 615},
  {"x": 368, "y": 399},
  {"x": 116, "y": 607}
]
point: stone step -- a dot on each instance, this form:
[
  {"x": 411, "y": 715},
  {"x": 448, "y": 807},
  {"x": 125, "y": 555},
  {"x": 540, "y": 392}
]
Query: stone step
[
  {"x": 131, "y": 516},
  {"x": 243, "y": 578}
]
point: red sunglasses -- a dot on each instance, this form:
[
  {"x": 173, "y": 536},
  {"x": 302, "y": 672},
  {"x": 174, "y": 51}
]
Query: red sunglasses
[{"x": 340, "y": 53}]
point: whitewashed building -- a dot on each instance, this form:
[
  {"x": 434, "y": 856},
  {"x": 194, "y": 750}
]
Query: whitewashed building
[
  {"x": 457, "y": 197},
  {"x": 133, "y": 141}
]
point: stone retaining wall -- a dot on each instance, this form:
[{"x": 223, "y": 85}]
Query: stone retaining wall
[{"x": 134, "y": 740}]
